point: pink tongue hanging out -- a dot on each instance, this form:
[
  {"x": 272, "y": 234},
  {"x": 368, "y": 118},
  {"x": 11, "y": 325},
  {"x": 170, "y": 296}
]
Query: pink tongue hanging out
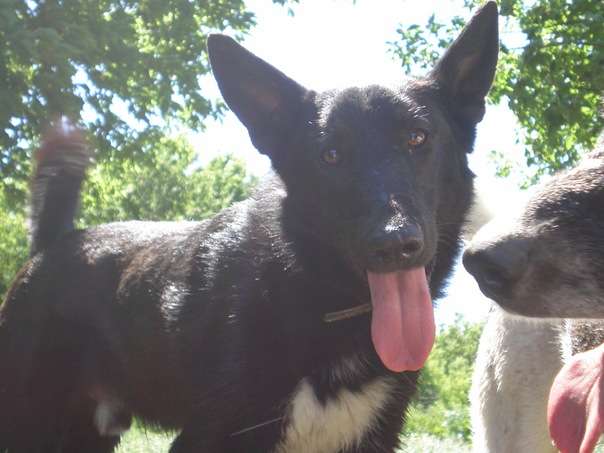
[
  {"x": 402, "y": 325},
  {"x": 575, "y": 412}
]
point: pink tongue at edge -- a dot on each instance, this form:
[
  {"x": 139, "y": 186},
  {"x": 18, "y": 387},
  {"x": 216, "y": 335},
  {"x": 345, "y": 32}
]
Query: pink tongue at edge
[
  {"x": 402, "y": 325},
  {"x": 575, "y": 413}
]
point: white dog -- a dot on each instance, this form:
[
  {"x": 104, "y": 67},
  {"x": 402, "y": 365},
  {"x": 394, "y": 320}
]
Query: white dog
[{"x": 547, "y": 263}]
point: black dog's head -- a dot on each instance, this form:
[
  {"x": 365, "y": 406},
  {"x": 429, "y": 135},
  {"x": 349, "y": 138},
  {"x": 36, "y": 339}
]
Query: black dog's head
[
  {"x": 372, "y": 172},
  {"x": 548, "y": 260}
]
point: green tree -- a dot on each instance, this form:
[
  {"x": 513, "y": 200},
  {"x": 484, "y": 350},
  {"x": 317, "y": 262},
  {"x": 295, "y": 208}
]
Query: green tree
[
  {"x": 164, "y": 184},
  {"x": 551, "y": 71},
  {"x": 96, "y": 59},
  {"x": 13, "y": 244},
  {"x": 441, "y": 408}
]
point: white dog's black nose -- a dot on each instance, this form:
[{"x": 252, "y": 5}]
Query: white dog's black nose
[{"x": 496, "y": 267}]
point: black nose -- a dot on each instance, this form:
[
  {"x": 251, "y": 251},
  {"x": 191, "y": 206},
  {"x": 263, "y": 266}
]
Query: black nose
[
  {"x": 496, "y": 267},
  {"x": 391, "y": 250}
]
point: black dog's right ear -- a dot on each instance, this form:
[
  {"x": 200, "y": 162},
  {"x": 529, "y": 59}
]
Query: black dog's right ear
[
  {"x": 467, "y": 68},
  {"x": 263, "y": 98}
]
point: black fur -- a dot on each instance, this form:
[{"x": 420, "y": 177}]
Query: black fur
[
  {"x": 209, "y": 327},
  {"x": 62, "y": 161}
]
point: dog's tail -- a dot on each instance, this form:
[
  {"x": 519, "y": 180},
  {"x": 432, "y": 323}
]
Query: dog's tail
[{"x": 61, "y": 163}]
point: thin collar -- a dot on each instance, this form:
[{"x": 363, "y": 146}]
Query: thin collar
[{"x": 348, "y": 313}]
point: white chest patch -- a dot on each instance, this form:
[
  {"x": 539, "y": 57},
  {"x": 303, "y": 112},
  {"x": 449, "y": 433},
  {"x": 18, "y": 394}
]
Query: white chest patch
[{"x": 340, "y": 423}]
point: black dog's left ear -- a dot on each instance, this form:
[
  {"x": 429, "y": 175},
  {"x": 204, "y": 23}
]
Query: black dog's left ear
[
  {"x": 467, "y": 69},
  {"x": 264, "y": 99}
]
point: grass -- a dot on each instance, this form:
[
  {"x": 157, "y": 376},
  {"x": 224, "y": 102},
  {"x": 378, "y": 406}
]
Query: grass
[
  {"x": 413, "y": 443},
  {"x": 139, "y": 440},
  {"x": 142, "y": 440}
]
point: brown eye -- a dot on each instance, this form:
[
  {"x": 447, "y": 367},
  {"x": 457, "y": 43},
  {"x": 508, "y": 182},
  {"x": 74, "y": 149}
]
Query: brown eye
[
  {"x": 417, "y": 138},
  {"x": 332, "y": 156}
]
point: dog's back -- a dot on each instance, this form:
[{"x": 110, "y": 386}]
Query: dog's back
[
  {"x": 63, "y": 309},
  {"x": 106, "y": 309}
]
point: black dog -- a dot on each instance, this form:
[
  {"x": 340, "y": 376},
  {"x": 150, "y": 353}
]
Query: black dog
[{"x": 251, "y": 331}]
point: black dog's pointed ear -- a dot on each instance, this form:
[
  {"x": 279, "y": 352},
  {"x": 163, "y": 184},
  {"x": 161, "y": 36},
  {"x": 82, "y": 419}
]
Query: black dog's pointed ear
[
  {"x": 467, "y": 68},
  {"x": 264, "y": 99}
]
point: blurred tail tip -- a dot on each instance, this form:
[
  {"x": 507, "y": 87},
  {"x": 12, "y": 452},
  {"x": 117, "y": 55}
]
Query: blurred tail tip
[{"x": 63, "y": 138}]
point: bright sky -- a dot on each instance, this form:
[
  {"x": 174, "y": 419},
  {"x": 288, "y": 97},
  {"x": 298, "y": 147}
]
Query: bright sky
[{"x": 335, "y": 44}]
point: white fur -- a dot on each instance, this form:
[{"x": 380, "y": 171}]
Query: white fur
[
  {"x": 338, "y": 424},
  {"x": 517, "y": 361},
  {"x": 104, "y": 418}
]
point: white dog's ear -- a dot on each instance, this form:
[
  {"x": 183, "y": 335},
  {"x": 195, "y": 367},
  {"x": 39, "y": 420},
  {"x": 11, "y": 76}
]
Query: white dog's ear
[{"x": 467, "y": 68}]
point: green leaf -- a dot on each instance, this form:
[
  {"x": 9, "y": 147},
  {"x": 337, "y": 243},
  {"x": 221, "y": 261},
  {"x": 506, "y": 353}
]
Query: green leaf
[{"x": 552, "y": 82}]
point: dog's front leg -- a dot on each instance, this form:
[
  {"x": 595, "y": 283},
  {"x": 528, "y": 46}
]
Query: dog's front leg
[
  {"x": 195, "y": 440},
  {"x": 517, "y": 361},
  {"x": 192, "y": 440}
]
